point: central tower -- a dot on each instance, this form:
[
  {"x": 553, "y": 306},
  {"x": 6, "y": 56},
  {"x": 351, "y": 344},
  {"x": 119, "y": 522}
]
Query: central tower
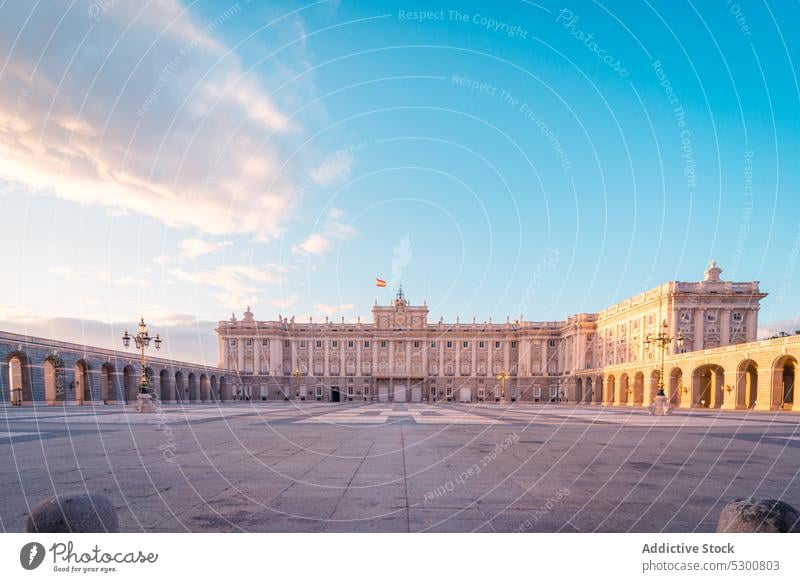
[{"x": 400, "y": 314}]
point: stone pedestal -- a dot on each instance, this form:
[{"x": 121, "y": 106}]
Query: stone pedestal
[
  {"x": 660, "y": 406},
  {"x": 144, "y": 403}
]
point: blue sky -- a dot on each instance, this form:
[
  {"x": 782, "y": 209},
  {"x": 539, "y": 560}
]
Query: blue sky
[{"x": 185, "y": 160}]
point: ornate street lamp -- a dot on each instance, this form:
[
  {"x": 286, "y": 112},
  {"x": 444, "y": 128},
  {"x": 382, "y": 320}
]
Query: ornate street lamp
[
  {"x": 503, "y": 376},
  {"x": 142, "y": 340},
  {"x": 296, "y": 375},
  {"x": 662, "y": 341}
]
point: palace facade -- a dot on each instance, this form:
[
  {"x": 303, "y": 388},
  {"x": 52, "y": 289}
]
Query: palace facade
[{"x": 603, "y": 357}]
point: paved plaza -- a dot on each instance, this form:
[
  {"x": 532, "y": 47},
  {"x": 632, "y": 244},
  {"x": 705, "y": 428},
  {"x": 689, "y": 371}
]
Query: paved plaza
[{"x": 320, "y": 467}]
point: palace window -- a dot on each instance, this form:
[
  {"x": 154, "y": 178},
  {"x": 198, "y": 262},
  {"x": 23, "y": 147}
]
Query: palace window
[
  {"x": 433, "y": 344},
  {"x": 737, "y": 316},
  {"x": 513, "y": 345},
  {"x": 497, "y": 345},
  {"x": 686, "y": 317},
  {"x": 449, "y": 345},
  {"x": 416, "y": 344},
  {"x": 318, "y": 369},
  {"x": 319, "y": 343},
  {"x": 366, "y": 389},
  {"x": 383, "y": 344},
  {"x": 286, "y": 343},
  {"x": 334, "y": 344},
  {"x": 366, "y": 344},
  {"x": 366, "y": 368},
  {"x": 551, "y": 343},
  {"x": 248, "y": 342},
  {"x": 233, "y": 343},
  {"x": 350, "y": 344},
  {"x": 264, "y": 342},
  {"x": 711, "y": 317},
  {"x": 465, "y": 345},
  {"x": 302, "y": 343},
  {"x": 481, "y": 345}
]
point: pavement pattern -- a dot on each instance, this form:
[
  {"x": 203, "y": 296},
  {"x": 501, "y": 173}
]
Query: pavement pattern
[{"x": 348, "y": 467}]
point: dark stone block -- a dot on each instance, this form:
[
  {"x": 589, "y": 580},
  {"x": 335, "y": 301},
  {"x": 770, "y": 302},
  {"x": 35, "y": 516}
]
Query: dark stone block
[
  {"x": 79, "y": 513},
  {"x": 758, "y": 516}
]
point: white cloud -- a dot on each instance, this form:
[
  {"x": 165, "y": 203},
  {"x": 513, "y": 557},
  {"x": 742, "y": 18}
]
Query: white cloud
[
  {"x": 171, "y": 126},
  {"x": 195, "y": 247},
  {"x": 333, "y": 229},
  {"x": 316, "y": 244},
  {"x": 285, "y": 302},
  {"x": 333, "y": 170},
  {"x": 236, "y": 285},
  {"x": 334, "y": 309},
  {"x": 93, "y": 275}
]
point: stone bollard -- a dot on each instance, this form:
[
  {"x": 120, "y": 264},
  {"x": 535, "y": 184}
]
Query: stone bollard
[
  {"x": 78, "y": 513},
  {"x": 758, "y": 516}
]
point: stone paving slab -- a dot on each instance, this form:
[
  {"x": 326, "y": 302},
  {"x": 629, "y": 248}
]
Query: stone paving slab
[{"x": 412, "y": 467}]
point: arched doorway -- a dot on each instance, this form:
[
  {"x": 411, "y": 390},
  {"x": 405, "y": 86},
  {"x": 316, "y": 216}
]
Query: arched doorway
[
  {"x": 205, "y": 388},
  {"x": 579, "y": 390},
  {"x": 625, "y": 390},
  {"x": 783, "y": 373},
  {"x": 53, "y": 369},
  {"x": 130, "y": 384},
  {"x": 678, "y": 394},
  {"x": 746, "y": 384},
  {"x": 599, "y": 389},
  {"x": 164, "y": 378},
  {"x": 180, "y": 387},
  {"x": 223, "y": 389},
  {"x": 214, "y": 389},
  {"x": 19, "y": 381},
  {"x": 707, "y": 383},
  {"x": 610, "y": 389},
  {"x": 82, "y": 384},
  {"x": 589, "y": 396},
  {"x": 108, "y": 391},
  {"x": 638, "y": 389},
  {"x": 193, "y": 392}
]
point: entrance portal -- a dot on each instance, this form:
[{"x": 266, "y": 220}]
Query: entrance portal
[
  {"x": 399, "y": 392},
  {"x": 335, "y": 394},
  {"x": 416, "y": 393},
  {"x": 383, "y": 392}
]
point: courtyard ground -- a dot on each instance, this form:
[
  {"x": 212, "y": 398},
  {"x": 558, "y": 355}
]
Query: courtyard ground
[{"x": 320, "y": 467}]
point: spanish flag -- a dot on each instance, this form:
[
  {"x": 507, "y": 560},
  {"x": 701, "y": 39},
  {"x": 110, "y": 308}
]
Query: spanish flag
[{"x": 380, "y": 282}]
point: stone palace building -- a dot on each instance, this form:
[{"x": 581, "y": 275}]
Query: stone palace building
[{"x": 600, "y": 358}]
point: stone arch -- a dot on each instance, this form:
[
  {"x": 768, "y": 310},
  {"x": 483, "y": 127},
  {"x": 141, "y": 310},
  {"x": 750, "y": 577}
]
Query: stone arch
[
  {"x": 784, "y": 370},
  {"x": 205, "y": 388},
  {"x": 19, "y": 379},
  {"x": 192, "y": 388},
  {"x": 180, "y": 387},
  {"x": 223, "y": 389},
  {"x": 625, "y": 390},
  {"x": 746, "y": 384},
  {"x": 165, "y": 382},
  {"x": 598, "y": 390},
  {"x": 610, "y": 389},
  {"x": 82, "y": 387},
  {"x": 677, "y": 391},
  {"x": 130, "y": 385},
  {"x": 579, "y": 390},
  {"x": 53, "y": 369},
  {"x": 589, "y": 395},
  {"x": 638, "y": 388},
  {"x": 108, "y": 392},
  {"x": 707, "y": 382}
]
